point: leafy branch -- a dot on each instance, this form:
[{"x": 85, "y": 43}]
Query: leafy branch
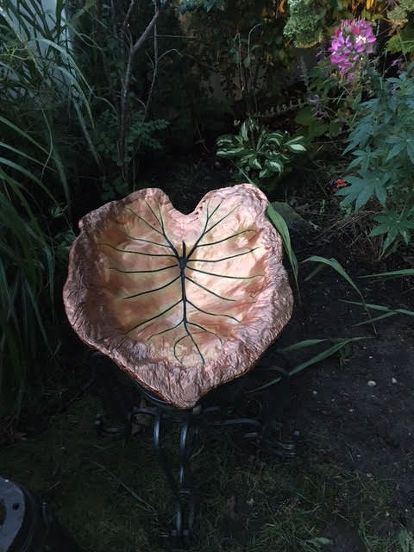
[{"x": 126, "y": 82}]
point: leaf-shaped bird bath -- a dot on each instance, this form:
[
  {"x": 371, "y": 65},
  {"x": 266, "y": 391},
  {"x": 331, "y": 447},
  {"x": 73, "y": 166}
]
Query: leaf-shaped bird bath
[{"x": 183, "y": 303}]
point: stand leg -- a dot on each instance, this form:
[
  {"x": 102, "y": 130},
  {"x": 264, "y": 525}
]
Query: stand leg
[
  {"x": 182, "y": 485},
  {"x": 256, "y": 413}
]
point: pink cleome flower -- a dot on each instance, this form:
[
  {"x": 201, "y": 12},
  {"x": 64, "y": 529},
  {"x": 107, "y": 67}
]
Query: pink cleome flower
[{"x": 351, "y": 43}]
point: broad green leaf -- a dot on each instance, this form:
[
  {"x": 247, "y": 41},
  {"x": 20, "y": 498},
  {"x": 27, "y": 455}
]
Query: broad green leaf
[
  {"x": 394, "y": 151},
  {"x": 296, "y": 140},
  {"x": 361, "y": 190},
  {"x": 279, "y": 223},
  {"x": 274, "y": 165},
  {"x": 390, "y": 238},
  {"x": 379, "y": 230},
  {"x": 225, "y": 140},
  {"x": 395, "y": 225},
  {"x": 410, "y": 149},
  {"x": 305, "y": 117},
  {"x": 265, "y": 173},
  {"x": 254, "y": 145},
  {"x": 237, "y": 152},
  {"x": 254, "y": 164},
  {"x": 297, "y": 148}
]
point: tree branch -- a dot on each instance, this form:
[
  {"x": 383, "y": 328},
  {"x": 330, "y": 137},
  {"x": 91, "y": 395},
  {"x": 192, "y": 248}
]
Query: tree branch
[
  {"x": 154, "y": 74},
  {"x": 127, "y": 17},
  {"x": 139, "y": 43},
  {"x": 127, "y": 79}
]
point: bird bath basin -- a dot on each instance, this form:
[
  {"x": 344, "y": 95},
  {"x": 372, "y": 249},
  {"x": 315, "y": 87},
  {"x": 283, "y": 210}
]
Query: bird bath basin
[{"x": 182, "y": 303}]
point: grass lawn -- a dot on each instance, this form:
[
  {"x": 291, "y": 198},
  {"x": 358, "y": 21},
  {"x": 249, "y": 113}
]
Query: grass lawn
[{"x": 112, "y": 494}]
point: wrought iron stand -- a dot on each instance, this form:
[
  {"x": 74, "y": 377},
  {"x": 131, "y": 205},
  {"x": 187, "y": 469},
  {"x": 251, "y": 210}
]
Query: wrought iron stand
[{"x": 246, "y": 404}]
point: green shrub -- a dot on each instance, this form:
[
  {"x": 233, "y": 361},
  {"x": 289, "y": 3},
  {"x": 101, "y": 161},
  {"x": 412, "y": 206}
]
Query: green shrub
[
  {"x": 259, "y": 154},
  {"x": 238, "y": 50},
  {"x": 305, "y": 22},
  {"x": 44, "y": 99},
  {"x": 132, "y": 53},
  {"x": 382, "y": 171},
  {"x": 401, "y": 17},
  {"x": 141, "y": 136}
]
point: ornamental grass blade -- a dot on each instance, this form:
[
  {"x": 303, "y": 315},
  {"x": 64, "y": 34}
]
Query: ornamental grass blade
[
  {"x": 26, "y": 271},
  {"x": 23, "y": 134},
  {"x": 402, "y": 273},
  {"x": 40, "y": 46},
  {"x": 279, "y": 223},
  {"x": 338, "y": 344},
  {"x": 83, "y": 125},
  {"x": 302, "y": 345},
  {"x": 381, "y": 308},
  {"x": 335, "y": 265},
  {"x": 20, "y": 153}
]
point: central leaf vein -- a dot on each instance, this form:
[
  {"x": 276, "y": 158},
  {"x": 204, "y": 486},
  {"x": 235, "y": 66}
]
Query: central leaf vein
[{"x": 182, "y": 264}]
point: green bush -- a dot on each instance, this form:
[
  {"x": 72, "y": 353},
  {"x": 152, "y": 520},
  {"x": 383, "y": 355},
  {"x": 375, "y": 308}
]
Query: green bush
[
  {"x": 118, "y": 48},
  {"x": 259, "y": 154},
  {"x": 44, "y": 98},
  {"x": 401, "y": 17},
  {"x": 382, "y": 171},
  {"x": 305, "y": 23},
  {"x": 238, "y": 50}
]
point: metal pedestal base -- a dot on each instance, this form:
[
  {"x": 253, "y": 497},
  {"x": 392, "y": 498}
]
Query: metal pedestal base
[{"x": 253, "y": 415}]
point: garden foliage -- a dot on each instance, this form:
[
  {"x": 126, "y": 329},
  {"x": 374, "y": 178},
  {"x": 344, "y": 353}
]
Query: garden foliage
[
  {"x": 401, "y": 17},
  {"x": 305, "y": 22},
  {"x": 45, "y": 97},
  {"x": 240, "y": 53},
  {"x": 259, "y": 154},
  {"x": 382, "y": 144},
  {"x": 336, "y": 85},
  {"x": 118, "y": 47},
  {"x": 91, "y": 90}
]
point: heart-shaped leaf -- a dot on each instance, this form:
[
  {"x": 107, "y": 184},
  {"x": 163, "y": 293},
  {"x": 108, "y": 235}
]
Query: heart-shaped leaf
[{"x": 183, "y": 303}]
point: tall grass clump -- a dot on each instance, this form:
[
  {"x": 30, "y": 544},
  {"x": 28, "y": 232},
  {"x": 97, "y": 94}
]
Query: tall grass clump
[{"x": 44, "y": 116}]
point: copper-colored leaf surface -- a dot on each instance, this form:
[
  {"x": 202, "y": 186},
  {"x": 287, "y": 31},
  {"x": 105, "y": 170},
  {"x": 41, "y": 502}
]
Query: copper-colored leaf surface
[{"x": 183, "y": 303}]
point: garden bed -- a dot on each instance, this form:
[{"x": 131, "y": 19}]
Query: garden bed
[
  {"x": 313, "y": 103},
  {"x": 351, "y": 487}
]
